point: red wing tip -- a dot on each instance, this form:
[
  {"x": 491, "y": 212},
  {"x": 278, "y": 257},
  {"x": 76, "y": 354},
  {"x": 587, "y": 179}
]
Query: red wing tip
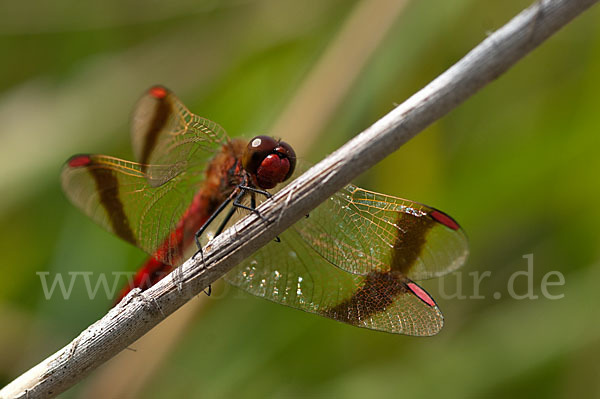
[
  {"x": 158, "y": 92},
  {"x": 421, "y": 294},
  {"x": 444, "y": 219},
  {"x": 77, "y": 161}
]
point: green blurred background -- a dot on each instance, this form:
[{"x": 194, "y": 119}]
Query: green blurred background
[{"x": 517, "y": 165}]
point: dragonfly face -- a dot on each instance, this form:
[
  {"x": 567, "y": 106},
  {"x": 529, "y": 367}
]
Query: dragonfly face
[
  {"x": 270, "y": 160},
  {"x": 353, "y": 260}
]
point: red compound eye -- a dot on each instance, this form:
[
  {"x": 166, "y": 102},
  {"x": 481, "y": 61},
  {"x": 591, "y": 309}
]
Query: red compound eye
[{"x": 270, "y": 160}]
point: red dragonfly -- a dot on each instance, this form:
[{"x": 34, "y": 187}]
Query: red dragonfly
[{"x": 353, "y": 260}]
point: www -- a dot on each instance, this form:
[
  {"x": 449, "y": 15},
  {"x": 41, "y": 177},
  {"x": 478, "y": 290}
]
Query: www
[{"x": 101, "y": 281}]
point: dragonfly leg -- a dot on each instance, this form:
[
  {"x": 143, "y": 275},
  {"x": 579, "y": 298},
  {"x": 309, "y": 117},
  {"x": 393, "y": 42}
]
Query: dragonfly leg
[
  {"x": 256, "y": 190},
  {"x": 202, "y": 229},
  {"x": 253, "y": 205},
  {"x": 238, "y": 204},
  {"x": 266, "y": 194},
  {"x": 199, "y": 252}
]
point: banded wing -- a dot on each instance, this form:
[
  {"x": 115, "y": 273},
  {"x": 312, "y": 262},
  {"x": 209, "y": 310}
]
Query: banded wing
[
  {"x": 165, "y": 132},
  {"x": 153, "y": 206},
  {"x": 353, "y": 260},
  {"x": 362, "y": 231}
]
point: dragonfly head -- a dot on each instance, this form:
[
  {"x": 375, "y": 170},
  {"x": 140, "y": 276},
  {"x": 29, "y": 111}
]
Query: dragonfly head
[{"x": 271, "y": 161}]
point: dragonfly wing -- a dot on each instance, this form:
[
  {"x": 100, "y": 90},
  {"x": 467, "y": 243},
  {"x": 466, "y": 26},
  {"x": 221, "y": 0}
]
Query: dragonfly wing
[
  {"x": 120, "y": 196},
  {"x": 156, "y": 204},
  {"x": 353, "y": 260},
  {"x": 361, "y": 232},
  {"x": 291, "y": 273},
  {"x": 165, "y": 132}
]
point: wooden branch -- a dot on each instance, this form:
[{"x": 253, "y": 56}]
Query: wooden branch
[{"x": 139, "y": 312}]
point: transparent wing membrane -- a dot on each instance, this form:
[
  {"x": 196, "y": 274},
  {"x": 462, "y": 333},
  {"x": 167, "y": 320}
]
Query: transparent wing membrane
[
  {"x": 156, "y": 204},
  {"x": 165, "y": 132},
  {"x": 118, "y": 195},
  {"x": 361, "y": 231},
  {"x": 291, "y": 273},
  {"x": 353, "y": 259}
]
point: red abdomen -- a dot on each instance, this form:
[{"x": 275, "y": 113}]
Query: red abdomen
[{"x": 173, "y": 247}]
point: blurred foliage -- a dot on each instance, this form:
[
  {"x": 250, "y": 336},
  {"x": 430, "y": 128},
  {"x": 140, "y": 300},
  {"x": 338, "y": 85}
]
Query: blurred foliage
[{"x": 517, "y": 165}]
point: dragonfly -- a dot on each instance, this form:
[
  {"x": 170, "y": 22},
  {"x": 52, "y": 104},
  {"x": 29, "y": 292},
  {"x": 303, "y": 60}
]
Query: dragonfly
[{"x": 355, "y": 258}]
